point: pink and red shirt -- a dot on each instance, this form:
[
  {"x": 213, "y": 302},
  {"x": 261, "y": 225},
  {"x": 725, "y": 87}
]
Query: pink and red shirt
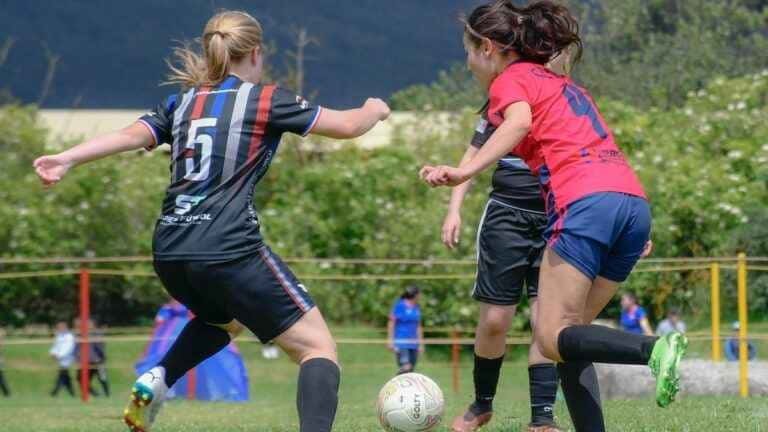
[{"x": 569, "y": 145}]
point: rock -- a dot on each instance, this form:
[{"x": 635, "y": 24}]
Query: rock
[{"x": 697, "y": 377}]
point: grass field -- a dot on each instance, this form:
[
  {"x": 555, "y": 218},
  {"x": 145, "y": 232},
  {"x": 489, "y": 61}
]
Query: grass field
[{"x": 30, "y": 373}]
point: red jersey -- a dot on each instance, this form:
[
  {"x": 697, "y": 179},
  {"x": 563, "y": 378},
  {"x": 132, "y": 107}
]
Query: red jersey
[{"x": 569, "y": 145}]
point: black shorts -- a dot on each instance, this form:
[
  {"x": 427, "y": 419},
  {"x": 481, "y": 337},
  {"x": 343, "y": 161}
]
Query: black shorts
[
  {"x": 509, "y": 249},
  {"x": 258, "y": 290}
]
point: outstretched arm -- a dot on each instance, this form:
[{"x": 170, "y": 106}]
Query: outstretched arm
[
  {"x": 515, "y": 127},
  {"x": 452, "y": 222},
  {"x": 52, "y": 168},
  {"x": 352, "y": 123}
]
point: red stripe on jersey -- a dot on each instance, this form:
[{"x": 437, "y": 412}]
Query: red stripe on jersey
[
  {"x": 262, "y": 117},
  {"x": 202, "y": 95}
]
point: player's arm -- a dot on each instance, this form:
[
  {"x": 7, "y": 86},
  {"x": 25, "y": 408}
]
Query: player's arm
[
  {"x": 52, "y": 168},
  {"x": 452, "y": 223},
  {"x": 351, "y": 123},
  {"x": 422, "y": 347},
  {"x": 391, "y": 333},
  {"x": 646, "y": 326},
  {"x": 516, "y": 125}
]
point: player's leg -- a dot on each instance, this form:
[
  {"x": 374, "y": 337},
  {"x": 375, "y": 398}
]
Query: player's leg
[
  {"x": 542, "y": 382},
  {"x": 542, "y": 372},
  {"x": 579, "y": 379},
  {"x": 505, "y": 248},
  {"x": 404, "y": 363},
  {"x": 203, "y": 336},
  {"x": 266, "y": 297},
  {"x": 3, "y": 385},
  {"x": 101, "y": 375},
  {"x": 414, "y": 358},
  {"x": 570, "y": 271},
  {"x": 67, "y": 381},
  {"x": 309, "y": 343}
]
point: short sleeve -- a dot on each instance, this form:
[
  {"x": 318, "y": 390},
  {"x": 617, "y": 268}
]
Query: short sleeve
[
  {"x": 160, "y": 122},
  {"x": 508, "y": 88},
  {"x": 292, "y": 113},
  {"x": 483, "y": 131},
  {"x": 640, "y": 314}
]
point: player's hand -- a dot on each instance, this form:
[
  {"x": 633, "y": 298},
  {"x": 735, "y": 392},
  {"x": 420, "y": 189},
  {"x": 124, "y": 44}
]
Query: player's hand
[
  {"x": 391, "y": 346},
  {"x": 51, "y": 169},
  {"x": 421, "y": 348},
  {"x": 648, "y": 249},
  {"x": 378, "y": 106},
  {"x": 443, "y": 175},
  {"x": 451, "y": 229}
]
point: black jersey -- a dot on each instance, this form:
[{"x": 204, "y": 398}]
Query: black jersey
[
  {"x": 223, "y": 139},
  {"x": 513, "y": 183}
]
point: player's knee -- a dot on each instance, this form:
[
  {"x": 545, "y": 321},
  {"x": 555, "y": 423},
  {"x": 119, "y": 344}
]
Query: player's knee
[
  {"x": 234, "y": 328},
  {"x": 493, "y": 326},
  {"x": 545, "y": 338}
]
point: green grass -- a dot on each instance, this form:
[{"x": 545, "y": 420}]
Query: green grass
[{"x": 31, "y": 372}]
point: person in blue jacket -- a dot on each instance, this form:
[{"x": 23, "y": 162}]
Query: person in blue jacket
[{"x": 404, "y": 331}]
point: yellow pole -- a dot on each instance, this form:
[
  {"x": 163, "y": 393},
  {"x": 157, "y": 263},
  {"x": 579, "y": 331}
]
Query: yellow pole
[
  {"x": 742, "y": 286},
  {"x": 715, "y": 302}
]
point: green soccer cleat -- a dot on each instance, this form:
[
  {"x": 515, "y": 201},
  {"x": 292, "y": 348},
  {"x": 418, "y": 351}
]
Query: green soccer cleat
[{"x": 664, "y": 363}]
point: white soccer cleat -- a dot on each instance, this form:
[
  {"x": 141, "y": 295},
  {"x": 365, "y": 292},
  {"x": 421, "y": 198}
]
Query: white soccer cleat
[{"x": 147, "y": 398}]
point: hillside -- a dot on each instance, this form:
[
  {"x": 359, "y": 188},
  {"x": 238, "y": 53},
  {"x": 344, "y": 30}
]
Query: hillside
[{"x": 111, "y": 53}]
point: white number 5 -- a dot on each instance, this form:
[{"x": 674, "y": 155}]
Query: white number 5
[
  {"x": 206, "y": 147},
  {"x": 184, "y": 203}
]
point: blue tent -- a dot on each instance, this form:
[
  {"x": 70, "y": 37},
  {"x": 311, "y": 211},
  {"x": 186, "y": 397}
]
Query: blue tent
[{"x": 221, "y": 378}]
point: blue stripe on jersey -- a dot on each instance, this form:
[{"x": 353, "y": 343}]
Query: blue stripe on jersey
[
  {"x": 170, "y": 102},
  {"x": 218, "y": 106},
  {"x": 221, "y": 98}
]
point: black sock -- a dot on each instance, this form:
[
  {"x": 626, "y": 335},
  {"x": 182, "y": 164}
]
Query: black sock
[
  {"x": 600, "y": 344},
  {"x": 582, "y": 395},
  {"x": 197, "y": 342},
  {"x": 542, "y": 382},
  {"x": 318, "y": 395},
  {"x": 486, "y": 377}
]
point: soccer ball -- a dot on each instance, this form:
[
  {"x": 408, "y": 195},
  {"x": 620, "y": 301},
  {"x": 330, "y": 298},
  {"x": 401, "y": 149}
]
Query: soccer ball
[{"x": 410, "y": 403}]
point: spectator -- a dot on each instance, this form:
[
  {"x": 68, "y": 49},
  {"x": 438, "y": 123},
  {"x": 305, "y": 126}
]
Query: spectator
[
  {"x": 3, "y": 384},
  {"x": 404, "y": 331},
  {"x": 63, "y": 351},
  {"x": 97, "y": 358},
  {"x": 732, "y": 346},
  {"x": 633, "y": 317},
  {"x": 672, "y": 323}
]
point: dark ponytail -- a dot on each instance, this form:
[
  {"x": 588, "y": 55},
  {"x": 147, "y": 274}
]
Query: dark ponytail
[{"x": 538, "y": 32}]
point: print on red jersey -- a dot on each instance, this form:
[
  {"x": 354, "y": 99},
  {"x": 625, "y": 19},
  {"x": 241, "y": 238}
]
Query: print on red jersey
[{"x": 568, "y": 138}]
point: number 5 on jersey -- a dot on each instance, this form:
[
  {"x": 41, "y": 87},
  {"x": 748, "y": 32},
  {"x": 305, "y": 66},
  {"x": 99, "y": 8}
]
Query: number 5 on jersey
[{"x": 206, "y": 148}]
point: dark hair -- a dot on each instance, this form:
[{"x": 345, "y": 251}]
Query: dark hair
[
  {"x": 630, "y": 296},
  {"x": 410, "y": 292},
  {"x": 537, "y": 32}
]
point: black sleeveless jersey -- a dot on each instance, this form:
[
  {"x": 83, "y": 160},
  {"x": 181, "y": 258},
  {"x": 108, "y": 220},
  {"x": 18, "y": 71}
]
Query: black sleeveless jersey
[{"x": 223, "y": 139}]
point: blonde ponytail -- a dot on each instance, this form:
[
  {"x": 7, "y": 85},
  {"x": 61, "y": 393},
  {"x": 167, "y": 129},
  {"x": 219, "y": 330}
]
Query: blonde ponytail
[{"x": 228, "y": 37}]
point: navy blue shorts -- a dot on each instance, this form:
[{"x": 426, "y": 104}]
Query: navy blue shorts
[
  {"x": 602, "y": 234},
  {"x": 258, "y": 290},
  {"x": 407, "y": 356}
]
